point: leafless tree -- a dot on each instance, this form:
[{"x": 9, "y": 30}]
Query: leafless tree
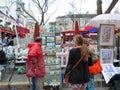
[
  {"x": 109, "y": 9},
  {"x": 74, "y": 9},
  {"x": 42, "y": 8}
]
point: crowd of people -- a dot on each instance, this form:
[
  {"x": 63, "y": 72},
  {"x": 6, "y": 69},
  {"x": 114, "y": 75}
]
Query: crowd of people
[
  {"x": 80, "y": 78},
  {"x": 5, "y": 43}
]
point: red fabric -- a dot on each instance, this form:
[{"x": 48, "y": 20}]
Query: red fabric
[
  {"x": 95, "y": 68},
  {"x": 72, "y": 31},
  {"x": 22, "y": 31},
  {"x": 7, "y": 31},
  {"x": 36, "y": 31},
  {"x": 35, "y": 50},
  {"x": 76, "y": 28},
  {"x": 21, "y": 34},
  {"x": 87, "y": 28}
]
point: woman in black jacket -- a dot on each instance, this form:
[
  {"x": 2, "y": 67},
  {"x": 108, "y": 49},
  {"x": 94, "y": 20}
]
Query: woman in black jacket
[{"x": 79, "y": 77}]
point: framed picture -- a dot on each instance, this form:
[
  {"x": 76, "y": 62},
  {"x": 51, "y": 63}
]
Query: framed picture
[
  {"x": 106, "y": 34},
  {"x": 50, "y": 39},
  {"x": 106, "y": 56},
  {"x": 43, "y": 40},
  {"x": 58, "y": 39}
]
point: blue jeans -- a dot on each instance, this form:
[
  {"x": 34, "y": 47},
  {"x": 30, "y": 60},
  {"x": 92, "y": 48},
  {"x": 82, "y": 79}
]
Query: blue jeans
[
  {"x": 90, "y": 85},
  {"x": 33, "y": 83},
  {"x": 37, "y": 83}
]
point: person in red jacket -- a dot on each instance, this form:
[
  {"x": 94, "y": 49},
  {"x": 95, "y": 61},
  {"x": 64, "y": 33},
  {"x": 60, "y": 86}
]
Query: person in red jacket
[{"x": 35, "y": 58}]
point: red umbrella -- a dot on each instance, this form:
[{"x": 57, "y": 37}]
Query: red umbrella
[
  {"x": 76, "y": 28},
  {"x": 36, "y": 31}
]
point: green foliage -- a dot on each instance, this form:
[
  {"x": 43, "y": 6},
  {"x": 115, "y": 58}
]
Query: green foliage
[{"x": 21, "y": 70}]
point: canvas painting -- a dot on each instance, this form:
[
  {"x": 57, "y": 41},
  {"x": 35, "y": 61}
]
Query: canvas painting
[
  {"x": 106, "y": 56},
  {"x": 106, "y": 34}
]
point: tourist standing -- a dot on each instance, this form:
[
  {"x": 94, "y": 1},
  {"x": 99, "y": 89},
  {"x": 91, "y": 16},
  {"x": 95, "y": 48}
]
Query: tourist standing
[
  {"x": 35, "y": 57},
  {"x": 79, "y": 76}
]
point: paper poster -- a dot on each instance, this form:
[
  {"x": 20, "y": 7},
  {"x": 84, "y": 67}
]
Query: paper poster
[
  {"x": 117, "y": 70},
  {"x": 106, "y": 56},
  {"x": 108, "y": 71}
]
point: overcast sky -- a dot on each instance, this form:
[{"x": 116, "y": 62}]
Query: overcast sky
[{"x": 63, "y": 7}]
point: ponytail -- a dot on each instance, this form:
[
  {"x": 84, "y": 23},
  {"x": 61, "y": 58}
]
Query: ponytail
[{"x": 85, "y": 52}]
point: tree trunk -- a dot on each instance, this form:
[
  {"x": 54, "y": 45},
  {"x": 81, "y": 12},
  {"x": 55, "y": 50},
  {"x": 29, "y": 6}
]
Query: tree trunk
[
  {"x": 112, "y": 5},
  {"x": 42, "y": 19},
  {"x": 99, "y": 7}
]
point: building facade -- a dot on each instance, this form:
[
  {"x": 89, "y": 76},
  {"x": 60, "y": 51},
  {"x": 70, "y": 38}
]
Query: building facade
[{"x": 67, "y": 22}]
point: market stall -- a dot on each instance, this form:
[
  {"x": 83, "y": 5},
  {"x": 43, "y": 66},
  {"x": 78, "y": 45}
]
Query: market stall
[{"x": 107, "y": 24}]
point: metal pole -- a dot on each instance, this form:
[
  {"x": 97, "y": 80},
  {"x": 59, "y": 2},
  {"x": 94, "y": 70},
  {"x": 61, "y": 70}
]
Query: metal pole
[
  {"x": 118, "y": 46},
  {"x": 18, "y": 44},
  {"x": 0, "y": 37}
]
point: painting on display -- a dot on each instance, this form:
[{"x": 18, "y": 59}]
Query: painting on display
[
  {"x": 106, "y": 34},
  {"x": 106, "y": 56},
  {"x": 108, "y": 71}
]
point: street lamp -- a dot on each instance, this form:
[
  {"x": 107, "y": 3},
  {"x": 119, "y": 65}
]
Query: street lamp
[{"x": 18, "y": 12}]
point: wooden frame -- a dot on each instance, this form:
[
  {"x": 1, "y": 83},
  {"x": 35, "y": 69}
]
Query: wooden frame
[{"x": 106, "y": 34}]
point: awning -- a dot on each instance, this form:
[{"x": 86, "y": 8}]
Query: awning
[
  {"x": 7, "y": 31},
  {"x": 91, "y": 29},
  {"x": 90, "y": 35},
  {"x": 71, "y": 31},
  {"x": 22, "y": 31}
]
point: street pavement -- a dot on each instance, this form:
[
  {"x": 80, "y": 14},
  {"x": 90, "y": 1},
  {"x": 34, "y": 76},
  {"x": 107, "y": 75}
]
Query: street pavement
[
  {"x": 96, "y": 88},
  {"x": 21, "y": 82}
]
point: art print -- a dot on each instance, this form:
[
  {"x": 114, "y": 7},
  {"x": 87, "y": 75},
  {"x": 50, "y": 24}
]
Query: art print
[{"x": 106, "y": 34}]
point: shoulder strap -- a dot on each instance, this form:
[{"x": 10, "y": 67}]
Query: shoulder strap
[{"x": 75, "y": 65}]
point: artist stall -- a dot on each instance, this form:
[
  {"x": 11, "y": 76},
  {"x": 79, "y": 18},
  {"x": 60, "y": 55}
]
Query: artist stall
[{"x": 109, "y": 46}]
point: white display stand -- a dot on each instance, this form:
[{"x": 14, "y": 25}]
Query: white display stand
[
  {"x": 107, "y": 59},
  {"x": 63, "y": 56},
  {"x": 53, "y": 68},
  {"x": 109, "y": 71}
]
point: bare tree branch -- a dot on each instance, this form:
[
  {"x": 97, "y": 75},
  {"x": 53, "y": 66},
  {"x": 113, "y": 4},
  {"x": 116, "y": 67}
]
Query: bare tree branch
[
  {"x": 112, "y": 5},
  {"x": 27, "y": 12},
  {"x": 42, "y": 8}
]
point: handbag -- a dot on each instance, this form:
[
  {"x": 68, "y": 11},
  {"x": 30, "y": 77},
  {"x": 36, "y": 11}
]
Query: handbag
[
  {"x": 39, "y": 71},
  {"x": 66, "y": 79},
  {"x": 95, "y": 68},
  {"x": 35, "y": 70}
]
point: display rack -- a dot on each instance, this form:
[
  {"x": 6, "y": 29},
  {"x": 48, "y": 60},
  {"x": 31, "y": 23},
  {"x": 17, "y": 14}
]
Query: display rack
[
  {"x": 53, "y": 73},
  {"x": 50, "y": 46}
]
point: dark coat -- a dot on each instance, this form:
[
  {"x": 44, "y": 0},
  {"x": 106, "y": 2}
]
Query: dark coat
[
  {"x": 80, "y": 74},
  {"x": 3, "y": 59}
]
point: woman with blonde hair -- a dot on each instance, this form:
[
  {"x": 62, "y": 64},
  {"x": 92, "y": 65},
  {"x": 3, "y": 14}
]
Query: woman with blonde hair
[
  {"x": 90, "y": 85},
  {"x": 79, "y": 76}
]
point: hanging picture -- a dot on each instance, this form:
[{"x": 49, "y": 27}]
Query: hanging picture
[
  {"x": 50, "y": 39},
  {"x": 106, "y": 56},
  {"x": 106, "y": 34},
  {"x": 44, "y": 40}
]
